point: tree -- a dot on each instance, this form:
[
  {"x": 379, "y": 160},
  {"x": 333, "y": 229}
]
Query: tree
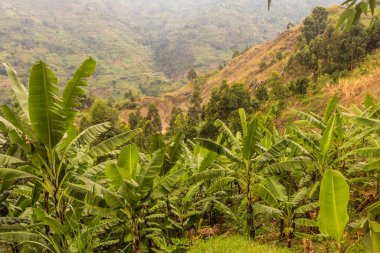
[
  {"x": 276, "y": 83},
  {"x": 355, "y": 9},
  {"x": 261, "y": 93},
  {"x": 135, "y": 119},
  {"x": 191, "y": 75},
  {"x": 177, "y": 122},
  {"x": 374, "y": 34},
  {"x": 222, "y": 103},
  {"x": 315, "y": 24},
  {"x": 194, "y": 113},
  {"x": 299, "y": 87},
  {"x": 154, "y": 117}
]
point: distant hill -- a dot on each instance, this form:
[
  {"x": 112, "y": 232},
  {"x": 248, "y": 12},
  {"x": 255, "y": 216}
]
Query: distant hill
[{"x": 146, "y": 45}]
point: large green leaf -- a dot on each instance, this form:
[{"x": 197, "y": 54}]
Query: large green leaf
[
  {"x": 333, "y": 201},
  {"x": 373, "y": 210},
  {"x": 150, "y": 171},
  {"x": 276, "y": 189},
  {"x": 265, "y": 194},
  {"x": 74, "y": 89},
  {"x": 84, "y": 138},
  {"x": 165, "y": 184},
  {"x": 21, "y": 236},
  {"x": 112, "y": 171},
  {"x": 291, "y": 165},
  {"x": 97, "y": 169},
  {"x": 372, "y": 239},
  {"x": 5, "y": 125},
  {"x": 110, "y": 144},
  {"x": 10, "y": 115},
  {"x": 368, "y": 152},
  {"x": 251, "y": 140},
  {"x": 7, "y": 159},
  {"x": 372, "y": 166},
  {"x": 370, "y": 122},
  {"x": 9, "y": 176},
  {"x": 18, "y": 88},
  {"x": 207, "y": 160},
  {"x": 45, "y": 106},
  {"x": 217, "y": 148},
  {"x": 209, "y": 174},
  {"x": 221, "y": 184},
  {"x": 93, "y": 191},
  {"x": 227, "y": 133},
  {"x": 328, "y": 136},
  {"x": 127, "y": 161},
  {"x": 312, "y": 119},
  {"x": 243, "y": 121},
  {"x": 46, "y": 219},
  {"x": 330, "y": 108}
]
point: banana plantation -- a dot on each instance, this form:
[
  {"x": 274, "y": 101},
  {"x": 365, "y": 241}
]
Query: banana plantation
[{"x": 61, "y": 190}]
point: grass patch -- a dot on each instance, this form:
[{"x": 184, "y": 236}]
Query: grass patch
[{"x": 234, "y": 244}]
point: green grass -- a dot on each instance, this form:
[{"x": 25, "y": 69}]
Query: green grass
[{"x": 234, "y": 244}]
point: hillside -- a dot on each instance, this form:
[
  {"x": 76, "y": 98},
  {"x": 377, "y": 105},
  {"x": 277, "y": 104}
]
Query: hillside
[
  {"x": 244, "y": 69},
  {"x": 145, "y": 46},
  {"x": 248, "y": 69}
]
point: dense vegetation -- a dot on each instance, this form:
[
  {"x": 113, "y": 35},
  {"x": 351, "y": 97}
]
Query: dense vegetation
[
  {"x": 75, "y": 178},
  {"x": 69, "y": 191}
]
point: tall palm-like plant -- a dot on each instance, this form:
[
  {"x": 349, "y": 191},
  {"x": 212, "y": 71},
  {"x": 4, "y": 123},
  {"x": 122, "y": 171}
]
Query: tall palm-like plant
[
  {"x": 249, "y": 153},
  {"x": 41, "y": 126},
  {"x": 131, "y": 184},
  {"x": 289, "y": 207}
]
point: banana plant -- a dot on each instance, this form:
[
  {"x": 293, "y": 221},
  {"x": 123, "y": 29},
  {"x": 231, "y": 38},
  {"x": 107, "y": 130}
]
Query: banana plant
[
  {"x": 41, "y": 125},
  {"x": 289, "y": 208},
  {"x": 132, "y": 184},
  {"x": 367, "y": 120},
  {"x": 328, "y": 140},
  {"x": 333, "y": 201},
  {"x": 372, "y": 227},
  {"x": 248, "y": 154}
]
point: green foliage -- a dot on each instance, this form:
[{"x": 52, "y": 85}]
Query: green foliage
[
  {"x": 154, "y": 118},
  {"x": 194, "y": 113},
  {"x": 324, "y": 49},
  {"x": 261, "y": 93},
  {"x": 315, "y": 24},
  {"x": 223, "y": 103},
  {"x": 99, "y": 112},
  {"x": 300, "y": 86},
  {"x": 333, "y": 201},
  {"x": 64, "y": 189}
]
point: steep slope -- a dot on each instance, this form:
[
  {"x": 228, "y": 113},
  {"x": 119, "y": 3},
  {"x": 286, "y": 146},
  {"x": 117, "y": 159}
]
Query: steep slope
[{"x": 253, "y": 67}]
